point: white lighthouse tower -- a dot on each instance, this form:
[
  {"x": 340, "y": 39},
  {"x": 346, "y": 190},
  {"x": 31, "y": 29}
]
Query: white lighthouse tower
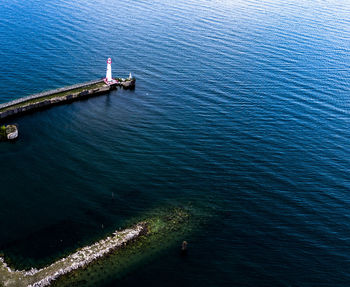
[{"x": 109, "y": 71}]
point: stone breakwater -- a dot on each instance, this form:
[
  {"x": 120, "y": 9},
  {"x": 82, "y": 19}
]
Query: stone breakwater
[
  {"x": 79, "y": 259},
  {"x": 60, "y": 96},
  {"x": 48, "y": 93}
]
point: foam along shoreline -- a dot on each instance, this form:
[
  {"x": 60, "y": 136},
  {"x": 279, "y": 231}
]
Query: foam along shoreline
[
  {"x": 61, "y": 95},
  {"x": 79, "y": 259}
]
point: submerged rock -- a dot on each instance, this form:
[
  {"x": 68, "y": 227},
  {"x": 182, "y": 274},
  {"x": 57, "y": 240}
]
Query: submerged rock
[{"x": 184, "y": 246}]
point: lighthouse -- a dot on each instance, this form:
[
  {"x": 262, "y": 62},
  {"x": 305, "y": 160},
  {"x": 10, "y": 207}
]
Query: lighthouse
[{"x": 109, "y": 71}]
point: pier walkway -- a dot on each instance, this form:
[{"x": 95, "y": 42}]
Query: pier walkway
[{"x": 60, "y": 96}]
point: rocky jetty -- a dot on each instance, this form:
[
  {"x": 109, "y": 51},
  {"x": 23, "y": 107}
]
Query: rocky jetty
[
  {"x": 151, "y": 233},
  {"x": 79, "y": 259}
]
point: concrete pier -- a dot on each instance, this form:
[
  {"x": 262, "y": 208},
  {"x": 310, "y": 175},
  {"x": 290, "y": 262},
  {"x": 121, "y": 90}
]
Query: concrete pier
[{"x": 60, "y": 96}]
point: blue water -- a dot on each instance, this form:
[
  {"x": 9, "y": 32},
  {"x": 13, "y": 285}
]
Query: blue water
[{"x": 241, "y": 109}]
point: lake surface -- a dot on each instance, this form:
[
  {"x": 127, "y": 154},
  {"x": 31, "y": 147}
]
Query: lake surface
[{"x": 241, "y": 109}]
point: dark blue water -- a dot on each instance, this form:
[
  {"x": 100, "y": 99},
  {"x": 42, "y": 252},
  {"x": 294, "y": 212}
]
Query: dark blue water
[{"x": 241, "y": 109}]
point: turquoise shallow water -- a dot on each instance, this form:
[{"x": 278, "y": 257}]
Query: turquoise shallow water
[{"x": 241, "y": 109}]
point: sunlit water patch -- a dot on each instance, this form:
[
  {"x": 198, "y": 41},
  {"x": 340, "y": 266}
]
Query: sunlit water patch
[{"x": 241, "y": 107}]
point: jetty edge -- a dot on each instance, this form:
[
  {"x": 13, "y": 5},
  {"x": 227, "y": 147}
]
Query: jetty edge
[
  {"x": 151, "y": 229},
  {"x": 61, "y": 96}
]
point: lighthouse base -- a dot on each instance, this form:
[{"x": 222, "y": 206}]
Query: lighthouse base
[{"x": 109, "y": 83}]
